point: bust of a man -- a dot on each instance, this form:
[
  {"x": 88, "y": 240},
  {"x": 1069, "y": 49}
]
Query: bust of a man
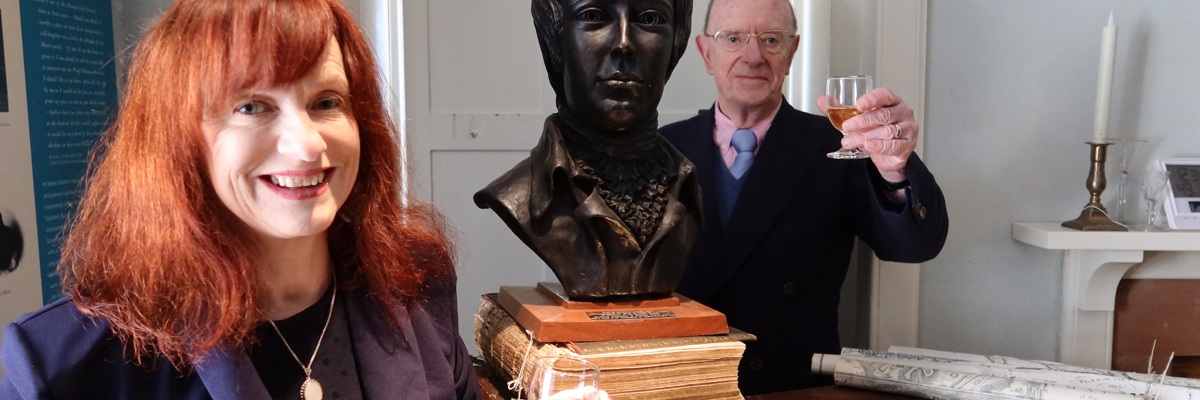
[{"x": 604, "y": 200}]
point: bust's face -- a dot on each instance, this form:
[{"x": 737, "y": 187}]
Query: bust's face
[{"x": 615, "y": 59}]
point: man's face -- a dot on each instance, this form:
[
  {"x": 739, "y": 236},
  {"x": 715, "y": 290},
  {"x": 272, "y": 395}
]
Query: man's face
[
  {"x": 748, "y": 78},
  {"x": 615, "y": 59}
]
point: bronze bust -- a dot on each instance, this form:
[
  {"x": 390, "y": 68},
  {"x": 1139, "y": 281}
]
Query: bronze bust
[{"x": 603, "y": 199}]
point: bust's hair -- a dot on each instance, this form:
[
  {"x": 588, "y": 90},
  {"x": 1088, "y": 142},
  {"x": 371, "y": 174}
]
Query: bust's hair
[
  {"x": 153, "y": 250},
  {"x": 548, "y": 24}
]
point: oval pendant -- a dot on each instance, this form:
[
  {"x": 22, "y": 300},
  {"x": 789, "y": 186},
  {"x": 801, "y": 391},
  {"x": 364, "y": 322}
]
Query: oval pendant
[{"x": 311, "y": 390}]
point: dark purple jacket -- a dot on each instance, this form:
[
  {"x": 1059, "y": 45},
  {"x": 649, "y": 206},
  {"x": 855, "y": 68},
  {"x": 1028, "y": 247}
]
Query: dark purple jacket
[{"x": 59, "y": 353}]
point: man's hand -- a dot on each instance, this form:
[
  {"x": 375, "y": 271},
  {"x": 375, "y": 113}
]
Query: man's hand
[{"x": 886, "y": 130}]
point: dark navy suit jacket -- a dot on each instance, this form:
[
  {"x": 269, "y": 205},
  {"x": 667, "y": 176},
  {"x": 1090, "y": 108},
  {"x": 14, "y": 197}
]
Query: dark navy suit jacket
[
  {"x": 776, "y": 268},
  {"x": 59, "y": 353}
]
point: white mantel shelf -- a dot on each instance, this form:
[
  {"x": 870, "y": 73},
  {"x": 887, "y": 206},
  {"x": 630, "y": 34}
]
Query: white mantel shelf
[
  {"x": 1093, "y": 265},
  {"x": 1053, "y": 236}
]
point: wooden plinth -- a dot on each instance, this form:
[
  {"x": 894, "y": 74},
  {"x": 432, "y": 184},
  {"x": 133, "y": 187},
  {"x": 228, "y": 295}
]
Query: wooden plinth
[{"x": 551, "y": 317}]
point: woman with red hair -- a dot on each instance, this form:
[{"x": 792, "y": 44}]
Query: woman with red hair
[{"x": 242, "y": 235}]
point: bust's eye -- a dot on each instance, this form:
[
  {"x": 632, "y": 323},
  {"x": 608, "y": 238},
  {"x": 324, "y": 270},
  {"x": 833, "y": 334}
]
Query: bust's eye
[
  {"x": 651, "y": 18},
  {"x": 590, "y": 15}
]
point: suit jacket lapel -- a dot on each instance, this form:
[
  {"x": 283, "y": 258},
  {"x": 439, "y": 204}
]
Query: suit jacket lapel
[
  {"x": 229, "y": 375},
  {"x": 774, "y": 178},
  {"x": 703, "y": 152},
  {"x": 389, "y": 362}
]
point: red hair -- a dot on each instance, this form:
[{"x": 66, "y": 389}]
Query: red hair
[{"x": 152, "y": 249}]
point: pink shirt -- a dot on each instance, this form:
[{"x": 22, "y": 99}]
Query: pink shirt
[{"x": 723, "y": 133}]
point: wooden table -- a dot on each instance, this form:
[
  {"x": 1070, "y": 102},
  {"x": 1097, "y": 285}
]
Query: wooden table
[
  {"x": 829, "y": 393},
  {"x": 492, "y": 387}
]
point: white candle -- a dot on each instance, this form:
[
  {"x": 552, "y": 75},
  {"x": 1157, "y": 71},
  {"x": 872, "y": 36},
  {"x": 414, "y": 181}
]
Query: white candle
[{"x": 1104, "y": 82}]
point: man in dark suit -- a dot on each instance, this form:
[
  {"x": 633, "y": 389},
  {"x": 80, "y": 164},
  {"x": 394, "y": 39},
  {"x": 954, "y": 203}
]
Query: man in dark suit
[{"x": 778, "y": 235}]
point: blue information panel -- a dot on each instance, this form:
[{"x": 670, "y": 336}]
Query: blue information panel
[{"x": 70, "y": 80}]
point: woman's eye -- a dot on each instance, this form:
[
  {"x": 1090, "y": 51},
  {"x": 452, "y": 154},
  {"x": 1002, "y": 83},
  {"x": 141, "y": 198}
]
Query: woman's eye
[
  {"x": 328, "y": 103},
  {"x": 652, "y": 18},
  {"x": 590, "y": 15},
  {"x": 251, "y": 108}
]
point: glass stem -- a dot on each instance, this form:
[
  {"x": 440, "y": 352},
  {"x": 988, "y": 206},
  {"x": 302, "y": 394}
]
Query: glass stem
[{"x": 1153, "y": 218}]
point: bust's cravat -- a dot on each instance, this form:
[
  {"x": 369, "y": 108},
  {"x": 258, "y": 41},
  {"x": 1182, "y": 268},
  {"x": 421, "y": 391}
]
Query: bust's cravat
[{"x": 744, "y": 142}]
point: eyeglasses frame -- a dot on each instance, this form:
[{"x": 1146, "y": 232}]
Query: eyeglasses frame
[{"x": 757, "y": 38}]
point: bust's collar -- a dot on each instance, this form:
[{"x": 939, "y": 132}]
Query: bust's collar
[{"x": 550, "y": 168}]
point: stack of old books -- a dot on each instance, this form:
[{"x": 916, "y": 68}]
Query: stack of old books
[{"x": 693, "y": 367}]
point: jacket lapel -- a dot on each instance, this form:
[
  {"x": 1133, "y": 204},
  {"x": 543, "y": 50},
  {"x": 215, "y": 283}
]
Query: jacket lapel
[
  {"x": 229, "y": 375},
  {"x": 389, "y": 363},
  {"x": 774, "y": 178},
  {"x": 700, "y": 149}
]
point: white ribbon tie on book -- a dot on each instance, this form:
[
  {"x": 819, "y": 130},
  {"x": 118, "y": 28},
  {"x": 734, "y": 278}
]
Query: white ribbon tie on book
[{"x": 744, "y": 142}]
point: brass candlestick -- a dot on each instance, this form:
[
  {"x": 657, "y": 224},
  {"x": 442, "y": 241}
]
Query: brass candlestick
[{"x": 1094, "y": 217}]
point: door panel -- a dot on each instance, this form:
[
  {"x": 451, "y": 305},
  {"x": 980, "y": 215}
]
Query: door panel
[
  {"x": 483, "y": 58},
  {"x": 489, "y": 255}
]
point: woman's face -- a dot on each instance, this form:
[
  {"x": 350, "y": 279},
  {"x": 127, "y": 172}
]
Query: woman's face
[
  {"x": 615, "y": 59},
  {"x": 283, "y": 159}
]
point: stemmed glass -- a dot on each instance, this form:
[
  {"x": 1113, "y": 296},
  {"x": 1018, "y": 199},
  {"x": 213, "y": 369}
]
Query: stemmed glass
[
  {"x": 842, "y": 92},
  {"x": 563, "y": 377},
  {"x": 1154, "y": 185},
  {"x": 1125, "y": 150}
]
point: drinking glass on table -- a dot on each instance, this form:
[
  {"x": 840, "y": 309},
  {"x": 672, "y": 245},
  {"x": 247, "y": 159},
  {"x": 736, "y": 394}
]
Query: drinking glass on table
[
  {"x": 564, "y": 377},
  {"x": 842, "y": 92}
]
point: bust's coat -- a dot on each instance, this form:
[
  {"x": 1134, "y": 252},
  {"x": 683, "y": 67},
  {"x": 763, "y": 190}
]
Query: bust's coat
[{"x": 564, "y": 221}]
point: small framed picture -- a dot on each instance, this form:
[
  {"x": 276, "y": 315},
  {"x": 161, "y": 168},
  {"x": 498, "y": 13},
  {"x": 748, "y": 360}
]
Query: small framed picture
[{"x": 1183, "y": 192}]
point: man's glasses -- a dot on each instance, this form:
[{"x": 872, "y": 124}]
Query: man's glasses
[{"x": 735, "y": 40}]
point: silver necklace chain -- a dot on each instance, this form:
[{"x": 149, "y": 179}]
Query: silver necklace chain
[{"x": 308, "y": 368}]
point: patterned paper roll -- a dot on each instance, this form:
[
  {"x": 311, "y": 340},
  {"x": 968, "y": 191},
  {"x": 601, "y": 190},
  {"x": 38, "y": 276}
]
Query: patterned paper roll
[{"x": 934, "y": 383}]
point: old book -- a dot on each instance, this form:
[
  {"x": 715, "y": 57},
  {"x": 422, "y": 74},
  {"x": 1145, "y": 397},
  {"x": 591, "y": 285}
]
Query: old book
[{"x": 692, "y": 367}]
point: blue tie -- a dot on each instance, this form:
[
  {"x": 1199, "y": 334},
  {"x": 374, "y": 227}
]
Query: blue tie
[{"x": 744, "y": 142}]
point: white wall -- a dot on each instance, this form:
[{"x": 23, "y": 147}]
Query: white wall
[
  {"x": 1011, "y": 89},
  {"x": 130, "y": 19}
]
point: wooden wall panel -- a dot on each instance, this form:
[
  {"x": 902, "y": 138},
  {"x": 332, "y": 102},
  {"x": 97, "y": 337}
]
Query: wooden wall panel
[{"x": 1166, "y": 310}]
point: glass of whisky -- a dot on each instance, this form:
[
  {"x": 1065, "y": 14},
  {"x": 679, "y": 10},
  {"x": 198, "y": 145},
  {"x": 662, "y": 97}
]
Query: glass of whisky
[{"x": 842, "y": 92}]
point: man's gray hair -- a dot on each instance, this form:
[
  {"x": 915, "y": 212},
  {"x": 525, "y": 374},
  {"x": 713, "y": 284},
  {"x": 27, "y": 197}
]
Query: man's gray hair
[{"x": 791, "y": 11}]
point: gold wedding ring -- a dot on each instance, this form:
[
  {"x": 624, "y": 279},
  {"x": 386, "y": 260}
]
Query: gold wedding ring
[{"x": 897, "y": 136}]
